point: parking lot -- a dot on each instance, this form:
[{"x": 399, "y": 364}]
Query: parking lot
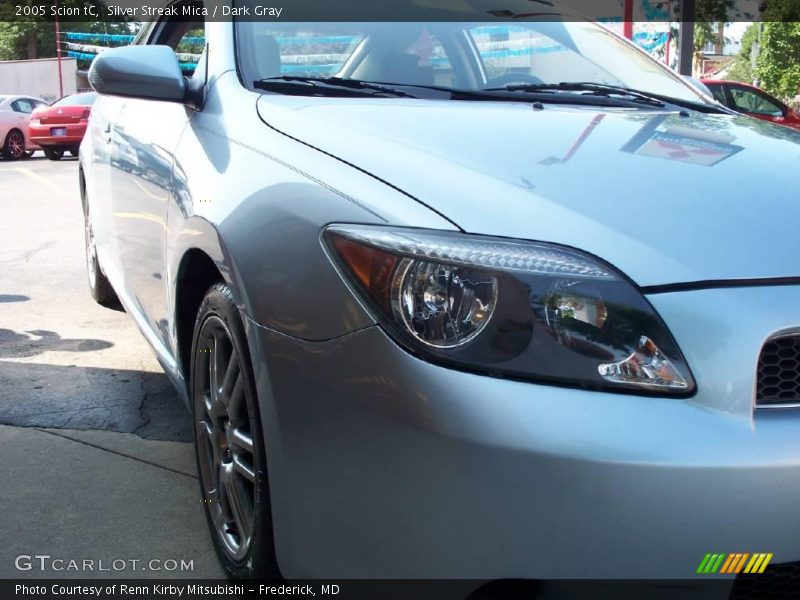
[{"x": 96, "y": 455}]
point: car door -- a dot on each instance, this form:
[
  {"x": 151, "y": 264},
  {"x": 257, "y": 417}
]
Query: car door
[
  {"x": 755, "y": 103},
  {"x": 21, "y": 110},
  {"x": 144, "y": 136}
]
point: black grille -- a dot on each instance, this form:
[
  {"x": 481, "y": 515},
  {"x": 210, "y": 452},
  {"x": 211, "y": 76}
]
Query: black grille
[
  {"x": 779, "y": 372},
  {"x": 778, "y": 582}
]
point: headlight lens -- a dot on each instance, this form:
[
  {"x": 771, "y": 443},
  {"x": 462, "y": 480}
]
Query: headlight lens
[
  {"x": 443, "y": 306},
  {"x": 511, "y": 308}
]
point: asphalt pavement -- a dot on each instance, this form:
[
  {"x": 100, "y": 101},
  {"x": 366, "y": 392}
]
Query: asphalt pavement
[{"x": 95, "y": 452}]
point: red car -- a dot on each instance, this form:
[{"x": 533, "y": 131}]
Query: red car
[
  {"x": 61, "y": 126},
  {"x": 750, "y": 100}
]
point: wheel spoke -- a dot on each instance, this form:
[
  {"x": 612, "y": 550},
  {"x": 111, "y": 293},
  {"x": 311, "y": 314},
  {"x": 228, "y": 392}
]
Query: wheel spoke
[
  {"x": 236, "y": 404},
  {"x": 224, "y": 475},
  {"x": 206, "y": 432},
  {"x": 208, "y": 439},
  {"x": 231, "y": 375},
  {"x": 242, "y": 439},
  {"x": 240, "y": 507},
  {"x": 212, "y": 366},
  {"x": 244, "y": 469},
  {"x": 218, "y": 366},
  {"x": 215, "y": 409}
]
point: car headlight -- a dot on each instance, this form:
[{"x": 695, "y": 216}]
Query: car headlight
[{"x": 511, "y": 308}]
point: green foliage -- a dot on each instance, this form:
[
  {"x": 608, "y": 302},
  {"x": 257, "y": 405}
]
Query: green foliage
[
  {"x": 15, "y": 38},
  {"x": 707, "y": 14},
  {"x": 778, "y": 64},
  {"x": 742, "y": 67},
  {"x": 193, "y": 48},
  {"x": 35, "y": 38}
]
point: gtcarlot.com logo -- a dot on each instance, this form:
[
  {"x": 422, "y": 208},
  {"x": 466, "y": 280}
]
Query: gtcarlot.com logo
[
  {"x": 45, "y": 562},
  {"x": 735, "y": 563}
]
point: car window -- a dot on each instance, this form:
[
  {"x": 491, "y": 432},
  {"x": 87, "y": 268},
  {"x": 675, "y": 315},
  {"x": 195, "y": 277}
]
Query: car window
[
  {"x": 430, "y": 54},
  {"x": 303, "y": 51},
  {"x": 719, "y": 94},
  {"x": 417, "y": 58},
  {"x": 186, "y": 38},
  {"x": 23, "y": 105},
  {"x": 750, "y": 101},
  {"x": 552, "y": 52},
  {"x": 190, "y": 49},
  {"x": 514, "y": 53}
]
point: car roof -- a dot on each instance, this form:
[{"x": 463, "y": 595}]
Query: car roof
[
  {"x": 11, "y": 98},
  {"x": 728, "y": 82}
]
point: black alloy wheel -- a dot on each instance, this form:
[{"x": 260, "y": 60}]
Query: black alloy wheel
[{"x": 228, "y": 442}]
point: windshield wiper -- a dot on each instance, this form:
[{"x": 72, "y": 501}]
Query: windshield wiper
[
  {"x": 563, "y": 93},
  {"x": 291, "y": 84},
  {"x": 597, "y": 89},
  {"x": 614, "y": 90},
  {"x": 509, "y": 95}
]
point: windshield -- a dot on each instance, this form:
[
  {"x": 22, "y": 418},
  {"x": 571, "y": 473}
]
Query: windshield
[
  {"x": 466, "y": 56},
  {"x": 86, "y": 99}
]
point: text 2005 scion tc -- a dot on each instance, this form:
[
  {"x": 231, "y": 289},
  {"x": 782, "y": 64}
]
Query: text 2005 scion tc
[{"x": 476, "y": 299}]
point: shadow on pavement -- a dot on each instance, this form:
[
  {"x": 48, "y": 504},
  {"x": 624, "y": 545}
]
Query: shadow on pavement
[
  {"x": 72, "y": 397},
  {"x": 31, "y": 343},
  {"x": 13, "y": 298}
]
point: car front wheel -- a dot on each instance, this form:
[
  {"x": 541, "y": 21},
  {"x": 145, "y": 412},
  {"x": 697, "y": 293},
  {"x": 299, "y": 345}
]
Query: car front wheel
[
  {"x": 14, "y": 146},
  {"x": 229, "y": 445}
]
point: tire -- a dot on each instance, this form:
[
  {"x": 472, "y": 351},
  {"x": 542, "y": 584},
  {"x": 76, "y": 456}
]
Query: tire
[
  {"x": 228, "y": 441},
  {"x": 99, "y": 286},
  {"x": 14, "y": 145},
  {"x": 53, "y": 153}
]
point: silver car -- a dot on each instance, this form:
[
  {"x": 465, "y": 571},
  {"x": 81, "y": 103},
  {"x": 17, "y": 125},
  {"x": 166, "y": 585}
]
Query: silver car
[
  {"x": 455, "y": 298},
  {"x": 15, "y": 117}
]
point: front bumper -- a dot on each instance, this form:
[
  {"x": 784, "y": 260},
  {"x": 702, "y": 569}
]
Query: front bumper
[{"x": 383, "y": 465}]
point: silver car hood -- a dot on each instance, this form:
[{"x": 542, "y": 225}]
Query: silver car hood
[{"x": 665, "y": 198}]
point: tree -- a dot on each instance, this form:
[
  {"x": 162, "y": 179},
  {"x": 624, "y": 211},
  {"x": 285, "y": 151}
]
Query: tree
[
  {"x": 741, "y": 68},
  {"x": 778, "y": 63},
  {"x": 20, "y": 40},
  {"x": 36, "y": 38},
  {"x": 709, "y": 21}
]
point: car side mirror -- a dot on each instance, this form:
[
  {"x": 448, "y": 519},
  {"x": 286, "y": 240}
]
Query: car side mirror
[{"x": 145, "y": 72}]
